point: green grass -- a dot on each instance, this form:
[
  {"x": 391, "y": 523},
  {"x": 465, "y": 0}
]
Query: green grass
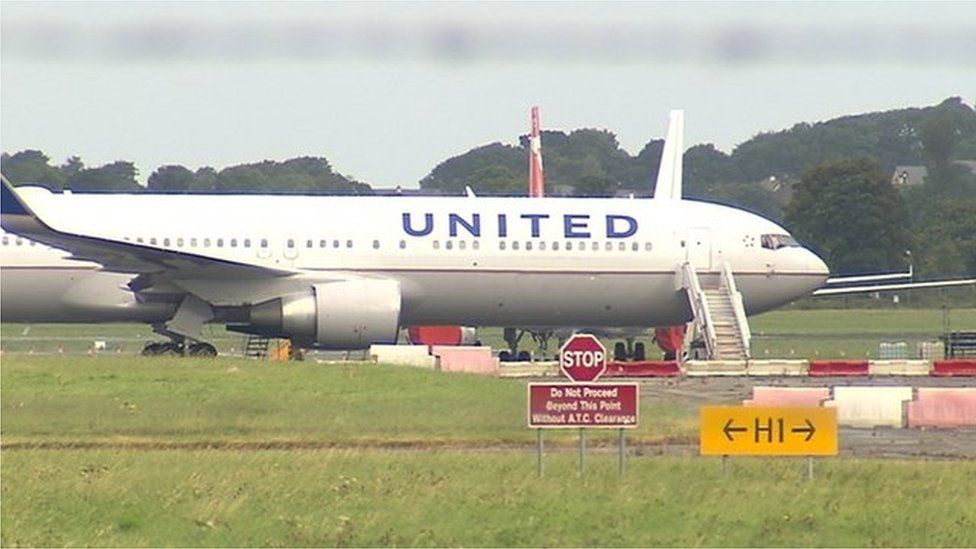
[
  {"x": 136, "y": 399},
  {"x": 373, "y": 498}
]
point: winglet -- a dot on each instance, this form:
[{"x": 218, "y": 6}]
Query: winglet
[{"x": 669, "y": 173}]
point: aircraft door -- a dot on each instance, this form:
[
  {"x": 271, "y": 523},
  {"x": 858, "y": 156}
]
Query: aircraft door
[{"x": 698, "y": 247}]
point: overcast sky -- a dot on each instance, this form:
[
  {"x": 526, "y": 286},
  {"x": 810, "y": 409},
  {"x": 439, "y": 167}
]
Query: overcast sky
[{"x": 387, "y": 91}]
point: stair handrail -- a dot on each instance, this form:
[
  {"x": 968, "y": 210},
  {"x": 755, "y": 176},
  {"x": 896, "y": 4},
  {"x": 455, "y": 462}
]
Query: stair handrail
[
  {"x": 699, "y": 303},
  {"x": 741, "y": 320}
]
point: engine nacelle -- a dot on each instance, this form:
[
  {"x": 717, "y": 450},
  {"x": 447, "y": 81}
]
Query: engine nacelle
[{"x": 348, "y": 314}]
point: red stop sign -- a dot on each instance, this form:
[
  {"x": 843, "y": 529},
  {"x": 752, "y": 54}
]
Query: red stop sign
[{"x": 583, "y": 358}]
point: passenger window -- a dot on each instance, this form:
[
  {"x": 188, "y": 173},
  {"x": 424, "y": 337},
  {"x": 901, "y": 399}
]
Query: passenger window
[
  {"x": 220, "y": 242},
  {"x": 289, "y": 244},
  {"x": 555, "y": 246},
  {"x": 247, "y": 242},
  {"x": 515, "y": 244},
  {"x": 501, "y": 244},
  {"x": 152, "y": 241},
  {"x": 542, "y": 246},
  {"x": 335, "y": 243},
  {"x": 166, "y": 242},
  {"x": 449, "y": 244},
  {"x": 403, "y": 244},
  {"x": 596, "y": 246},
  {"x": 206, "y": 242},
  {"x": 309, "y": 243},
  {"x": 179, "y": 242},
  {"x": 635, "y": 247},
  {"x": 349, "y": 243},
  {"x": 5, "y": 241},
  {"x": 569, "y": 246},
  {"x": 437, "y": 244},
  {"x": 608, "y": 246},
  {"x": 376, "y": 244},
  {"x": 193, "y": 242},
  {"x": 264, "y": 242},
  {"x": 528, "y": 245},
  {"x": 462, "y": 244},
  {"x": 139, "y": 239},
  {"x": 323, "y": 243},
  {"x": 647, "y": 246},
  {"x": 475, "y": 245},
  {"x": 622, "y": 246},
  {"x": 233, "y": 243}
]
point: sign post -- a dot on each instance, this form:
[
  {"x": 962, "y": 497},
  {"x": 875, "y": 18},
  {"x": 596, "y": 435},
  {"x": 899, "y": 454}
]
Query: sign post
[{"x": 583, "y": 403}]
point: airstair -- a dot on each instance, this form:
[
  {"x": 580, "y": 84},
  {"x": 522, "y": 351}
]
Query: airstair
[
  {"x": 256, "y": 347},
  {"x": 719, "y": 316}
]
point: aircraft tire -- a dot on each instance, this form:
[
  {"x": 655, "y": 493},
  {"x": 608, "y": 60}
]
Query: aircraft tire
[
  {"x": 202, "y": 350},
  {"x": 619, "y": 351},
  {"x": 640, "y": 353},
  {"x": 504, "y": 356},
  {"x": 524, "y": 356}
]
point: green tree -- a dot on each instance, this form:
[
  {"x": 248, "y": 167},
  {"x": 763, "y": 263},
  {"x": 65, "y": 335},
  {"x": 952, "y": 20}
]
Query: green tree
[
  {"x": 851, "y": 215},
  {"x": 118, "y": 176},
  {"x": 172, "y": 179},
  {"x": 31, "y": 166}
]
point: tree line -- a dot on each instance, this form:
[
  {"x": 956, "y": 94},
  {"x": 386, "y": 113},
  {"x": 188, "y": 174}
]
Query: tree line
[{"x": 829, "y": 182}]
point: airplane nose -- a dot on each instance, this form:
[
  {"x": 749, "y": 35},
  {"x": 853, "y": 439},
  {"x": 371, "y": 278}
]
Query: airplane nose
[{"x": 817, "y": 267}]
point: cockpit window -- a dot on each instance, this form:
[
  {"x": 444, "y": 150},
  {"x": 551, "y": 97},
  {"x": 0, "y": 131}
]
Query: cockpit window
[{"x": 777, "y": 241}]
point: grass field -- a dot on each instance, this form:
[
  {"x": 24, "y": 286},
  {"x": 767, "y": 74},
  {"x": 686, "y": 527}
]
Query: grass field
[
  {"x": 127, "y": 451},
  {"x": 787, "y": 333}
]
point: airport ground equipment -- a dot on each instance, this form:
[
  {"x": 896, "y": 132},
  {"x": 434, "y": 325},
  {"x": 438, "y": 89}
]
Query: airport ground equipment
[
  {"x": 718, "y": 313},
  {"x": 960, "y": 344}
]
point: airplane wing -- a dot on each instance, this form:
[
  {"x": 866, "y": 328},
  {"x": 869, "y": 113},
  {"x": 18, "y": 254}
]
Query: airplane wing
[
  {"x": 668, "y": 185},
  {"x": 115, "y": 255},
  {"x": 893, "y": 287}
]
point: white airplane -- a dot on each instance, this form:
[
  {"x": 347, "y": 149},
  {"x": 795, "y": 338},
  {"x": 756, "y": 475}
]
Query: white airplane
[{"x": 345, "y": 272}]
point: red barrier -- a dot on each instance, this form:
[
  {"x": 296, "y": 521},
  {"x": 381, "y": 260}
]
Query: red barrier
[
  {"x": 646, "y": 368},
  {"x": 954, "y": 367},
  {"x": 943, "y": 407},
  {"x": 824, "y": 368}
]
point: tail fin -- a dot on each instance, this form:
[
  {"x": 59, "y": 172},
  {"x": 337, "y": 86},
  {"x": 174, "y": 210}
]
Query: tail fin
[
  {"x": 668, "y": 185},
  {"x": 10, "y": 202},
  {"x": 536, "y": 178}
]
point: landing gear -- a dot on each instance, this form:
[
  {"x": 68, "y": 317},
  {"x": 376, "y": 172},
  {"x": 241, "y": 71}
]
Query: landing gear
[
  {"x": 175, "y": 348},
  {"x": 629, "y": 350},
  {"x": 513, "y": 336}
]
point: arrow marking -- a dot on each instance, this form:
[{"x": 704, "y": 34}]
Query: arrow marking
[
  {"x": 809, "y": 430},
  {"x": 729, "y": 429}
]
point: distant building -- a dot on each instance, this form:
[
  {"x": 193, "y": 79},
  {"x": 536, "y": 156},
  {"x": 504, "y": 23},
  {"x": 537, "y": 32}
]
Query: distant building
[{"x": 910, "y": 176}]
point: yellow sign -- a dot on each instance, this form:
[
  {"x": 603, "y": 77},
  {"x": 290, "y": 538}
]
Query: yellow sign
[{"x": 761, "y": 431}]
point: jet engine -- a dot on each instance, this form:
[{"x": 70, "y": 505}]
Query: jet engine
[{"x": 347, "y": 314}]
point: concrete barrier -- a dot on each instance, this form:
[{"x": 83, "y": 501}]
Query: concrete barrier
[
  {"x": 871, "y": 406},
  {"x": 954, "y": 367},
  {"x": 788, "y": 396},
  {"x": 777, "y": 368},
  {"x": 530, "y": 369},
  {"x": 646, "y": 368},
  {"x": 822, "y": 368},
  {"x": 402, "y": 355},
  {"x": 899, "y": 367},
  {"x": 696, "y": 368},
  {"x": 472, "y": 360},
  {"x": 943, "y": 407}
]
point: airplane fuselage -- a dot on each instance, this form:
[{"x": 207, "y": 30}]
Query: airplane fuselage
[{"x": 471, "y": 261}]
